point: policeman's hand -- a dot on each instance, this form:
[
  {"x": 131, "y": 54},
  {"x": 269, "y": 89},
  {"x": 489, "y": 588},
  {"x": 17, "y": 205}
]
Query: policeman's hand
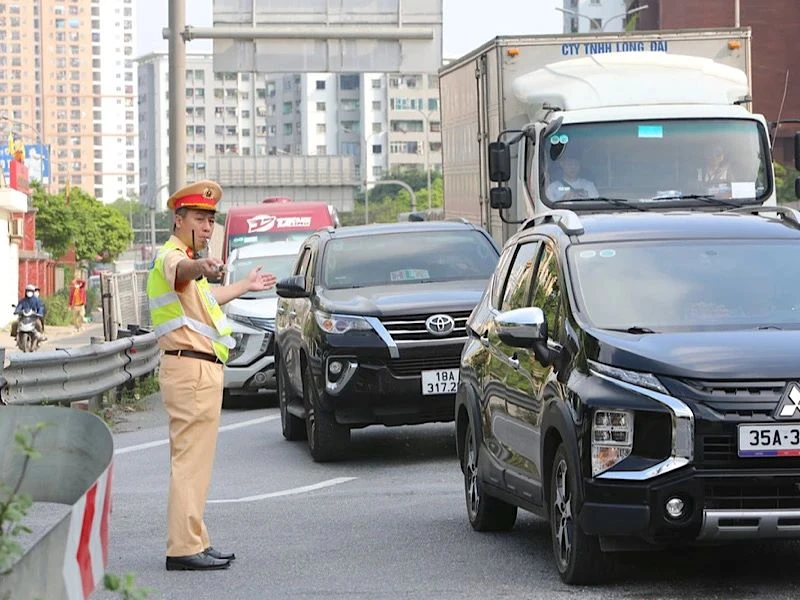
[
  {"x": 211, "y": 267},
  {"x": 258, "y": 281}
]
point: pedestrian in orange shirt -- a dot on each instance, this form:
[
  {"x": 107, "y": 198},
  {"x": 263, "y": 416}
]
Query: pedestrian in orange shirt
[{"x": 77, "y": 302}]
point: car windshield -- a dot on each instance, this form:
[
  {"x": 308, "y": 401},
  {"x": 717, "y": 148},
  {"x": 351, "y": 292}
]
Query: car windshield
[
  {"x": 688, "y": 285},
  {"x": 654, "y": 162},
  {"x": 409, "y": 257},
  {"x": 280, "y": 266}
]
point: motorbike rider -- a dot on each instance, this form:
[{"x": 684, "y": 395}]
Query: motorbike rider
[{"x": 31, "y": 302}]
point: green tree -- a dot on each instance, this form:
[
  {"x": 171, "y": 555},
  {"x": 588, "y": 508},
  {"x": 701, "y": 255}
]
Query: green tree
[
  {"x": 54, "y": 227},
  {"x": 784, "y": 183},
  {"x": 94, "y": 228}
]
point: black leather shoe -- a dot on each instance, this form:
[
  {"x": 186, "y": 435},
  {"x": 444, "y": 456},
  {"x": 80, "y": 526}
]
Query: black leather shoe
[
  {"x": 214, "y": 553},
  {"x": 196, "y": 562}
]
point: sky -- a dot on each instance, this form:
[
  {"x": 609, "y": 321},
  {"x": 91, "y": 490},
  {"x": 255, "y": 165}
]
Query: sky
[{"x": 466, "y": 24}]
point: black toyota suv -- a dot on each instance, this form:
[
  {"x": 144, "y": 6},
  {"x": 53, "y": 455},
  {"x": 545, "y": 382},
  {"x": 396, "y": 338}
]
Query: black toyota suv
[
  {"x": 370, "y": 327},
  {"x": 635, "y": 380}
]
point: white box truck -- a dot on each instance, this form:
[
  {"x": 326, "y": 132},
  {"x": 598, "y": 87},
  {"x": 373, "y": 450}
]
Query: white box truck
[{"x": 594, "y": 122}]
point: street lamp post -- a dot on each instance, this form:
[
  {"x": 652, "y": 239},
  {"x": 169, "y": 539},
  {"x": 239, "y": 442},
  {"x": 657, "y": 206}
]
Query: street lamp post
[
  {"x": 593, "y": 21},
  {"x": 426, "y": 117}
]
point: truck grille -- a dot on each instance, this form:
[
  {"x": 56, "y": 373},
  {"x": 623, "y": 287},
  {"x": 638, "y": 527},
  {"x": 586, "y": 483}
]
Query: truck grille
[
  {"x": 406, "y": 367},
  {"x": 770, "y": 495},
  {"x": 412, "y": 328}
]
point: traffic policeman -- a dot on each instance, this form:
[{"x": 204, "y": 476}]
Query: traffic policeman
[{"x": 195, "y": 339}]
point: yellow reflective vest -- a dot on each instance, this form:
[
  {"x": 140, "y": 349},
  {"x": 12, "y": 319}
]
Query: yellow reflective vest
[{"x": 167, "y": 314}]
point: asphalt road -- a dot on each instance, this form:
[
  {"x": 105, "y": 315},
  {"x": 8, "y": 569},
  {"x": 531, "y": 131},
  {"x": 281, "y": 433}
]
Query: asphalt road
[{"x": 388, "y": 523}]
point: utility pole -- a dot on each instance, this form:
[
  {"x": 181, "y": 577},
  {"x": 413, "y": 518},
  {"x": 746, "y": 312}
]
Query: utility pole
[
  {"x": 177, "y": 93},
  {"x": 736, "y": 13}
]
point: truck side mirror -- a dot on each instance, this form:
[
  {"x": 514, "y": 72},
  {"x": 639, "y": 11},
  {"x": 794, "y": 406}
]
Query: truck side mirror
[
  {"x": 797, "y": 151},
  {"x": 499, "y": 162},
  {"x": 500, "y": 197}
]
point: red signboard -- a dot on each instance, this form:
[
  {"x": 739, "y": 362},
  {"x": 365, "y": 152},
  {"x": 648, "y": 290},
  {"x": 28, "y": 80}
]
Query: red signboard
[{"x": 19, "y": 177}]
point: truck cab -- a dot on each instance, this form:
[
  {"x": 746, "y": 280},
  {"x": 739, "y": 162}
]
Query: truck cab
[
  {"x": 602, "y": 122},
  {"x": 680, "y": 137}
]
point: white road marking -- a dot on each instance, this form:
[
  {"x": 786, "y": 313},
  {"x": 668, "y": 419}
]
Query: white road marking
[
  {"x": 289, "y": 492},
  {"x": 148, "y": 445}
]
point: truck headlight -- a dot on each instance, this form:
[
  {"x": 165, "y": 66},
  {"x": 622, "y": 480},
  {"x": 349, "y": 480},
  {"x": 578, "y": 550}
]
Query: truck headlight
[
  {"x": 340, "y": 323},
  {"x": 612, "y": 438}
]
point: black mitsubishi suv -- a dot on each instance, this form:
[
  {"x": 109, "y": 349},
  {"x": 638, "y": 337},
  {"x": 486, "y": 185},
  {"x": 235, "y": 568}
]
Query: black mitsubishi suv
[
  {"x": 635, "y": 380},
  {"x": 370, "y": 327}
]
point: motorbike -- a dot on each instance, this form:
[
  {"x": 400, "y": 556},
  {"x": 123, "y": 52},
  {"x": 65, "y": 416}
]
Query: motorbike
[{"x": 27, "y": 336}]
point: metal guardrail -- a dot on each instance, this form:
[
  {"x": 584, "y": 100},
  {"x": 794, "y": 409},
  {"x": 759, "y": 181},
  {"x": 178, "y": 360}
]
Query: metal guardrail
[
  {"x": 61, "y": 376},
  {"x": 74, "y": 468}
]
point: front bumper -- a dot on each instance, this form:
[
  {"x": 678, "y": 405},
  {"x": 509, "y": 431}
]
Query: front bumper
[
  {"x": 374, "y": 389},
  {"x": 252, "y": 365}
]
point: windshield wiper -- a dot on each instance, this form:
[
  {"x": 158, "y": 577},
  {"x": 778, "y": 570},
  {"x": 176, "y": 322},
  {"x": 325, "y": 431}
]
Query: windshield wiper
[
  {"x": 635, "y": 330},
  {"x": 614, "y": 201},
  {"x": 708, "y": 199}
]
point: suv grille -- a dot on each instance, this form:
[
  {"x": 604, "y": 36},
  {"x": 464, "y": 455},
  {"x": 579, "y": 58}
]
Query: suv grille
[
  {"x": 718, "y": 450},
  {"x": 412, "y": 328},
  {"x": 405, "y": 367},
  {"x": 766, "y": 496},
  {"x": 741, "y": 400}
]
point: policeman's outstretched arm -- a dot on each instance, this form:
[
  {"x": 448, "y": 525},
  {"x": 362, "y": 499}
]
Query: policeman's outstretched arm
[{"x": 256, "y": 281}]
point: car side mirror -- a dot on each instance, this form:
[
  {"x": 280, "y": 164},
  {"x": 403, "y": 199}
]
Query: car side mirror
[
  {"x": 522, "y": 327},
  {"x": 292, "y": 287},
  {"x": 500, "y": 198},
  {"x": 499, "y": 162}
]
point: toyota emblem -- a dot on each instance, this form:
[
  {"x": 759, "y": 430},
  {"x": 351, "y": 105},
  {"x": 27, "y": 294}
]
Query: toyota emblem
[{"x": 440, "y": 325}]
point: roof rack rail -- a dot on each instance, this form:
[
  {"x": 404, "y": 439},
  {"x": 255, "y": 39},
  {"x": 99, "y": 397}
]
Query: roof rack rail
[
  {"x": 569, "y": 221},
  {"x": 786, "y": 213},
  {"x": 459, "y": 220}
]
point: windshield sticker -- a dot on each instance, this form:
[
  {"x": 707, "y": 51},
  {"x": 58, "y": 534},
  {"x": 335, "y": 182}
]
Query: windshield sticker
[
  {"x": 588, "y": 254},
  {"x": 409, "y": 275},
  {"x": 743, "y": 189},
  {"x": 607, "y": 253},
  {"x": 651, "y": 131}
]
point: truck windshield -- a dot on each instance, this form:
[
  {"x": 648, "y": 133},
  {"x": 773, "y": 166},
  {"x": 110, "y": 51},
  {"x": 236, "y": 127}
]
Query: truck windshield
[
  {"x": 681, "y": 285},
  {"x": 655, "y": 162}
]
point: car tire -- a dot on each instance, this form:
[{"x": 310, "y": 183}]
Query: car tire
[
  {"x": 579, "y": 559},
  {"x": 327, "y": 439},
  {"x": 485, "y": 512},
  {"x": 292, "y": 427}
]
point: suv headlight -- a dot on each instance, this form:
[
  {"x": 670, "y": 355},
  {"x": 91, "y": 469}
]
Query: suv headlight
[
  {"x": 612, "y": 438},
  {"x": 340, "y": 323}
]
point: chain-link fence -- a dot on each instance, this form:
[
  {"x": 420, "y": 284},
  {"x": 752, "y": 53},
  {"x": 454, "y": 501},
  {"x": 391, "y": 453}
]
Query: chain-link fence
[{"x": 124, "y": 302}]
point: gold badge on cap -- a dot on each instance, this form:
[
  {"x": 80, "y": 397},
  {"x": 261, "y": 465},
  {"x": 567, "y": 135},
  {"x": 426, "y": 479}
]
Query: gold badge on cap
[{"x": 208, "y": 192}]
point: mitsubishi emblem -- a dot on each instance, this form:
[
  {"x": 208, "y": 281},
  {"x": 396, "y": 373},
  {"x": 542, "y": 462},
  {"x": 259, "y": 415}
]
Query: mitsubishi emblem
[
  {"x": 442, "y": 325},
  {"x": 789, "y": 405}
]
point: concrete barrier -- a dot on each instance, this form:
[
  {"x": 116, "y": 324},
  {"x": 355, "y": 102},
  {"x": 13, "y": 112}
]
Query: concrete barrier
[{"x": 75, "y": 469}]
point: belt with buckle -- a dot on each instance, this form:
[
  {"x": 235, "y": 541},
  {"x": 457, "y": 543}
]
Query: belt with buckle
[{"x": 193, "y": 354}]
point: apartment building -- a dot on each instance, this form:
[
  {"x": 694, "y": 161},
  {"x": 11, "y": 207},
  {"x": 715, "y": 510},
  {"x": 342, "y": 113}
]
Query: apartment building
[
  {"x": 66, "y": 80},
  {"x": 384, "y": 122}
]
